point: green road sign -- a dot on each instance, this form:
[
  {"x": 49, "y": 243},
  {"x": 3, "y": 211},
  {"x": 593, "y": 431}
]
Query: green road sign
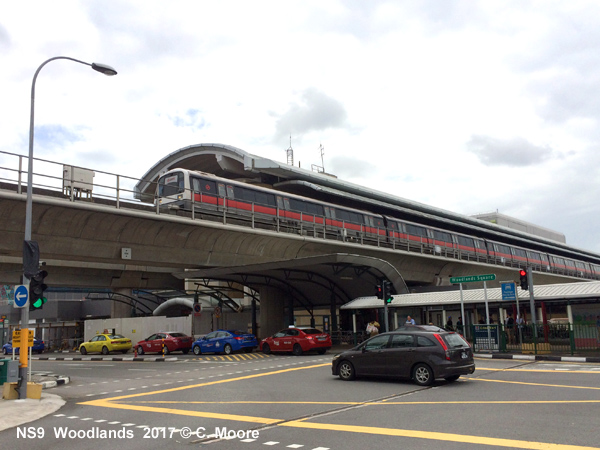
[{"x": 473, "y": 278}]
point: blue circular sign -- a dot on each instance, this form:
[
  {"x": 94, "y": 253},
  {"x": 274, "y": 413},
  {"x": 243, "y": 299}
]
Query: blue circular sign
[{"x": 21, "y": 296}]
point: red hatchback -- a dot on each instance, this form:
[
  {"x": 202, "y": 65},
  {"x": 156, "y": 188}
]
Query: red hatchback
[
  {"x": 297, "y": 341},
  {"x": 173, "y": 342}
]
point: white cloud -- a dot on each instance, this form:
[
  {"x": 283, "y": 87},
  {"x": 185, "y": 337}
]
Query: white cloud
[{"x": 461, "y": 105}]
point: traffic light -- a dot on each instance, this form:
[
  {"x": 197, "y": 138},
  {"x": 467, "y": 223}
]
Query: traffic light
[
  {"x": 387, "y": 292},
  {"x": 379, "y": 291},
  {"x": 524, "y": 281},
  {"x": 36, "y": 290}
]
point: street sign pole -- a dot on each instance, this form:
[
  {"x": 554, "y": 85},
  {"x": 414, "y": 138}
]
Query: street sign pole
[
  {"x": 487, "y": 313},
  {"x": 462, "y": 311}
]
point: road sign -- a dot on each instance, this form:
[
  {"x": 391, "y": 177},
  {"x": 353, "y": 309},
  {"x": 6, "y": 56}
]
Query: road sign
[
  {"x": 197, "y": 309},
  {"x": 16, "y": 337},
  {"x": 21, "y": 296},
  {"x": 473, "y": 278},
  {"x": 508, "y": 291}
]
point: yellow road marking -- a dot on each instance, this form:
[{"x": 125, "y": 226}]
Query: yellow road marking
[
  {"x": 433, "y": 435},
  {"x": 209, "y": 383},
  {"x": 536, "y": 384},
  {"x": 539, "y": 370},
  {"x": 429, "y": 435}
]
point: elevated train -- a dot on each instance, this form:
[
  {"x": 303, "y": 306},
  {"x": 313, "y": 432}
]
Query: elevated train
[{"x": 218, "y": 198}]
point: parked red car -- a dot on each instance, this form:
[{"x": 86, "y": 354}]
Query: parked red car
[
  {"x": 297, "y": 340},
  {"x": 173, "y": 341}
]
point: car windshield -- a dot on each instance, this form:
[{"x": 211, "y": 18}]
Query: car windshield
[
  {"x": 455, "y": 340},
  {"x": 311, "y": 331}
]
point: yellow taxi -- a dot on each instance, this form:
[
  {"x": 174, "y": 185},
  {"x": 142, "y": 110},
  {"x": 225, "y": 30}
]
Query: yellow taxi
[{"x": 106, "y": 343}]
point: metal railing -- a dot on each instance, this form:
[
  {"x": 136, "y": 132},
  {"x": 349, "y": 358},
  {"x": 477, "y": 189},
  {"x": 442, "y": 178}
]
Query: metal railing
[
  {"x": 537, "y": 339},
  {"x": 118, "y": 191}
]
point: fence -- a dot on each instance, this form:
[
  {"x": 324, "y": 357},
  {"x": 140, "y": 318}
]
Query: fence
[{"x": 538, "y": 339}]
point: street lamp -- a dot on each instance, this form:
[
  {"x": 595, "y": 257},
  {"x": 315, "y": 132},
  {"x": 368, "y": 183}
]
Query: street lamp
[{"x": 106, "y": 70}]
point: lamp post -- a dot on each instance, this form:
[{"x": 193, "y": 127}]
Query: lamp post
[{"x": 24, "y": 350}]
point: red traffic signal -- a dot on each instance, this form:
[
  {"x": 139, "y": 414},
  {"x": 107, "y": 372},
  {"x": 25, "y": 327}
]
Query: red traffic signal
[{"x": 523, "y": 278}]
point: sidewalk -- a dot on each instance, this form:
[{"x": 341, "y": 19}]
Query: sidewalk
[{"x": 19, "y": 412}]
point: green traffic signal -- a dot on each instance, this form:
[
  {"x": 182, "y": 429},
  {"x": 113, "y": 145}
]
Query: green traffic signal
[
  {"x": 36, "y": 290},
  {"x": 37, "y": 304}
]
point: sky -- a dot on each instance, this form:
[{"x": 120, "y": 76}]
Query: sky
[{"x": 469, "y": 106}]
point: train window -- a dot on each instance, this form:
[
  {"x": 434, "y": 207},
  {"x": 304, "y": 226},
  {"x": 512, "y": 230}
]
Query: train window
[
  {"x": 393, "y": 225},
  {"x": 263, "y": 198},
  {"x": 314, "y": 209},
  {"x": 279, "y": 202},
  {"x": 504, "y": 249},
  {"x": 466, "y": 242},
  {"x": 171, "y": 184},
  {"x": 297, "y": 205},
  {"x": 342, "y": 215},
  {"x": 221, "y": 188},
  {"x": 205, "y": 186},
  {"x": 415, "y": 230},
  {"x": 519, "y": 252},
  {"x": 243, "y": 194},
  {"x": 442, "y": 236},
  {"x": 230, "y": 191}
]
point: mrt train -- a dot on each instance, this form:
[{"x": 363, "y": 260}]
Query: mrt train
[{"x": 208, "y": 196}]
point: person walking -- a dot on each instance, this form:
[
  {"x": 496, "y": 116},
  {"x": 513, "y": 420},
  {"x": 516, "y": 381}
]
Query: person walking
[
  {"x": 373, "y": 328},
  {"x": 449, "y": 325},
  {"x": 459, "y": 325}
]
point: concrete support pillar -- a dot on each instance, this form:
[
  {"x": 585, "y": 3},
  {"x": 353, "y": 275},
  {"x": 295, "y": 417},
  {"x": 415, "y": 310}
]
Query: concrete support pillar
[
  {"x": 272, "y": 304},
  {"x": 119, "y": 309}
]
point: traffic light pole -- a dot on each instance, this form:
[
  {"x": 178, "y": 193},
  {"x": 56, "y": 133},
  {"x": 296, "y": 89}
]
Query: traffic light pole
[
  {"x": 384, "y": 288},
  {"x": 531, "y": 297}
]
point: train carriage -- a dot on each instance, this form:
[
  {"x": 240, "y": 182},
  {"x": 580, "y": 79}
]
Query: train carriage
[{"x": 215, "y": 198}]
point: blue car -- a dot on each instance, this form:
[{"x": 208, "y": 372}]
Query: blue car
[
  {"x": 38, "y": 347},
  {"x": 225, "y": 341}
]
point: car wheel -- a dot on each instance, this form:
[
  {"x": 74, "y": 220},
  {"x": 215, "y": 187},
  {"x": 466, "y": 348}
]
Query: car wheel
[
  {"x": 321, "y": 352},
  {"x": 83, "y": 351},
  {"x": 297, "y": 350},
  {"x": 140, "y": 350},
  {"x": 452, "y": 378},
  {"x": 423, "y": 375},
  {"x": 197, "y": 350},
  {"x": 346, "y": 371},
  {"x": 5, "y": 351},
  {"x": 266, "y": 349},
  {"x": 105, "y": 350},
  {"x": 186, "y": 351},
  {"x": 227, "y": 349}
]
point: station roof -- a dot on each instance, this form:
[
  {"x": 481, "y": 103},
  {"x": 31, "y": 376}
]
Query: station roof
[
  {"x": 311, "y": 281},
  {"x": 230, "y": 162},
  {"x": 567, "y": 291}
]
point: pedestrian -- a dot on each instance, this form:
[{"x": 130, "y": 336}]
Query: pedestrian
[
  {"x": 409, "y": 321},
  {"x": 373, "y": 328},
  {"x": 459, "y": 325},
  {"x": 509, "y": 325},
  {"x": 449, "y": 325}
]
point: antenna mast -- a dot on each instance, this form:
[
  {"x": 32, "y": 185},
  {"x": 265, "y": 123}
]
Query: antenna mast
[{"x": 290, "y": 153}]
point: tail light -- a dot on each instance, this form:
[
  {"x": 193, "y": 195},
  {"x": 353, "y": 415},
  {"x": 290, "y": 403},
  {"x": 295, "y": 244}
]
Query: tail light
[
  {"x": 239, "y": 338},
  {"x": 444, "y": 346}
]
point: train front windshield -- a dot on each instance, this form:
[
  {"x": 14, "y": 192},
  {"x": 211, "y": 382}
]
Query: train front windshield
[{"x": 171, "y": 184}]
